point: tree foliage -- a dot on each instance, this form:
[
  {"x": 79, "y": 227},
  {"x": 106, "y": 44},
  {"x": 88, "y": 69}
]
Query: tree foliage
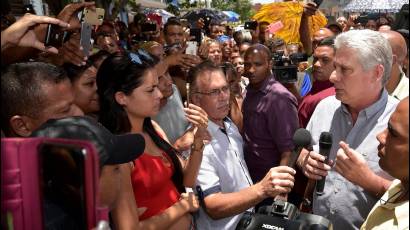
[{"x": 242, "y": 7}]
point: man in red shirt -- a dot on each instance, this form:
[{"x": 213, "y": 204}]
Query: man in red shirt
[{"x": 322, "y": 87}]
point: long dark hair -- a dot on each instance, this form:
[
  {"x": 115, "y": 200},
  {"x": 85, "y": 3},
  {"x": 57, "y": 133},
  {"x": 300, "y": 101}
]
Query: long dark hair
[{"x": 124, "y": 73}]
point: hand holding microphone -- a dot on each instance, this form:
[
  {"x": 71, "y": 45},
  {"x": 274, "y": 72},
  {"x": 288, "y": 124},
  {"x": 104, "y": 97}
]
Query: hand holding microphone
[
  {"x": 325, "y": 145},
  {"x": 313, "y": 164},
  {"x": 301, "y": 139}
]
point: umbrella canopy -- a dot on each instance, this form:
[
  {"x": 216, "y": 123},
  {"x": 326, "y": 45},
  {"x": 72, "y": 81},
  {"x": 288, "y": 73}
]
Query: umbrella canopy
[
  {"x": 232, "y": 16},
  {"x": 374, "y": 6},
  {"x": 194, "y": 15},
  {"x": 163, "y": 13}
]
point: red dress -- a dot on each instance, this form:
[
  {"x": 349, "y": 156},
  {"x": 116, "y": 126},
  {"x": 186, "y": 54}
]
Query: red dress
[{"x": 152, "y": 184}]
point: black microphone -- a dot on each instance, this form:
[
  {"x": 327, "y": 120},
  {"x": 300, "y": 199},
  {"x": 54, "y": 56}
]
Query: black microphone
[
  {"x": 325, "y": 144},
  {"x": 301, "y": 139}
]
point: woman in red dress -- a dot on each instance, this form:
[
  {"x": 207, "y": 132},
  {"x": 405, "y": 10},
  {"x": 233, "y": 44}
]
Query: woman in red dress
[{"x": 129, "y": 96}]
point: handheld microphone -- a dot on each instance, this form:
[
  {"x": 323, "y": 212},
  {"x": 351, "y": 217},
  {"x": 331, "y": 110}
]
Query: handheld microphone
[
  {"x": 301, "y": 139},
  {"x": 325, "y": 144}
]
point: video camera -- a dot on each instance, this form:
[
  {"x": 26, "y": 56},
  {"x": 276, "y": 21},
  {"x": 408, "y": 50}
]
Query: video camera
[
  {"x": 285, "y": 69},
  {"x": 282, "y": 215}
]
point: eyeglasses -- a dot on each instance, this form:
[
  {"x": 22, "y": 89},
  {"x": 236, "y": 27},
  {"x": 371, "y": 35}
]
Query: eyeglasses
[{"x": 215, "y": 92}]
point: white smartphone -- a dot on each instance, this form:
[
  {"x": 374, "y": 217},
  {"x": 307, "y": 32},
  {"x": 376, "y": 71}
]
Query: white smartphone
[{"x": 192, "y": 48}]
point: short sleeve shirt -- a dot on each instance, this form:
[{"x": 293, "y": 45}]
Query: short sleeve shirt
[
  {"x": 269, "y": 121},
  {"x": 223, "y": 169},
  {"x": 343, "y": 203}
]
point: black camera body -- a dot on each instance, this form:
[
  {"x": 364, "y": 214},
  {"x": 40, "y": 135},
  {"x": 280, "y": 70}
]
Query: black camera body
[
  {"x": 282, "y": 215},
  {"x": 285, "y": 69},
  {"x": 251, "y": 25}
]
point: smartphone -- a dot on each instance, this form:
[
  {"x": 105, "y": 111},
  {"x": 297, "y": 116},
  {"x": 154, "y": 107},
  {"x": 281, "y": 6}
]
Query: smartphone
[
  {"x": 207, "y": 21},
  {"x": 85, "y": 40},
  {"x": 93, "y": 17},
  {"x": 62, "y": 183},
  {"x": 362, "y": 19},
  {"x": 192, "y": 48},
  {"x": 55, "y": 36},
  {"x": 28, "y": 8},
  {"x": 148, "y": 26},
  {"x": 318, "y": 2},
  {"x": 197, "y": 33},
  {"x": 251, "y": 25}
]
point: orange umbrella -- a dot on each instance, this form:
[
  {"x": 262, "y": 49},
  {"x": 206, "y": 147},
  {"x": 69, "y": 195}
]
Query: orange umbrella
[{"x": 289, "y": 13}]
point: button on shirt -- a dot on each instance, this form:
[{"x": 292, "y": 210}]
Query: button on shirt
[
  {"x": 346, "y": 205},
  {"x": 223, "y": 169},
  {"x": 270, "y": 119}
]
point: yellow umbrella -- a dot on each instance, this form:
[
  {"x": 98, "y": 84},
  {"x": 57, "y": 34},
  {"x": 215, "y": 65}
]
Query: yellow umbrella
[{"x": 289, "y": 13}]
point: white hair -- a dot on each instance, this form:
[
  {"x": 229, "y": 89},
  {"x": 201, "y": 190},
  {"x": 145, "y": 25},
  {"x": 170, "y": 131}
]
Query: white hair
[{"x": 371, "y": 48}]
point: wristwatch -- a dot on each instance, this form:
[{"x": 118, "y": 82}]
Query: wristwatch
[{"x": 197, "y": 148}]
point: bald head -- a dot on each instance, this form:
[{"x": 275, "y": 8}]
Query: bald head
[
  {"x": 323, "y": 33},
  {"x": 259, "y": 48},
  {"x": 397, "y": 43}
]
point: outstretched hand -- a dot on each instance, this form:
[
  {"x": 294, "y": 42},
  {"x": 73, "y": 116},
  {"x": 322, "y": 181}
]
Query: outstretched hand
[
  {"x": 69, "y": 13},
  {"x": 21, "y": 33}
]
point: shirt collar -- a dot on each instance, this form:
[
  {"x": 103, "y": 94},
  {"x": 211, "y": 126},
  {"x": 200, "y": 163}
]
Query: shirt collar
[
  {"x": 374, "y": 108},
  {"x": 400, "y": 209},
  {"x": 213, "y": 128}
]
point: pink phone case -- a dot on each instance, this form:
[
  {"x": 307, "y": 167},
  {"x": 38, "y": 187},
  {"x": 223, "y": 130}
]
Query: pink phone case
[
  {"x": 275, "y": 27},
  {"x": 21, "y": 198}
]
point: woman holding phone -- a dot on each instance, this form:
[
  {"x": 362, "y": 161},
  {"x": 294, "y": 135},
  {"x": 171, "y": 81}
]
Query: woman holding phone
[{"x": 129, "y": 96}]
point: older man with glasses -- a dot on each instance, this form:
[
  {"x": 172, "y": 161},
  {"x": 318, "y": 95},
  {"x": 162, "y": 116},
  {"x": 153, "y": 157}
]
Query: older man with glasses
[{"x": 227, "y": 187}]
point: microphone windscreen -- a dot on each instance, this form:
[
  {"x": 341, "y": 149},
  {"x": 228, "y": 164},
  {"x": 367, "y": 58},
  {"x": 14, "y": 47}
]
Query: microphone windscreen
[
  {"x": 325, "y": 139},
  {"x": 302, "y": 138}
]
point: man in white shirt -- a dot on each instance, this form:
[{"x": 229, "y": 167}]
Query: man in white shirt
[{"x": 223, "y": 175}]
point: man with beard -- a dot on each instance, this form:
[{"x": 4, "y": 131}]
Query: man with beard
[{"x": 322, "y": 69}]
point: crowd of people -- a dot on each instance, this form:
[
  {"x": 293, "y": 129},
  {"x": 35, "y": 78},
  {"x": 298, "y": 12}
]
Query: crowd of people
[{"x": 220, "y": 119}]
